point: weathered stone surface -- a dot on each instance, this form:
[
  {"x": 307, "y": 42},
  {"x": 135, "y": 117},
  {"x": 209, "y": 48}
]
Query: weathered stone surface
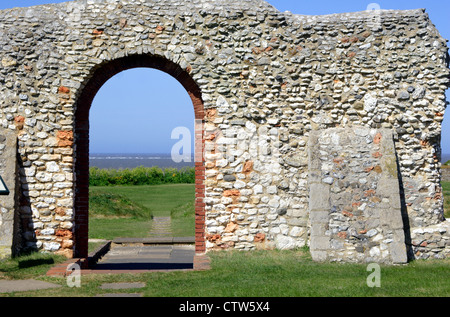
[
  {"x": 9, "y": 286},
  {"x": 319, "y": 197},
  {"x": 362, "y": 206}
]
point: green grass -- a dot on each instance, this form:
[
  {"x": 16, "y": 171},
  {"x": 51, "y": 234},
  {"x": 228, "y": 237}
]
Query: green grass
[
  {"x": 126, "y": 211},
  {"x": 273, "y": 274},
  {"x": 28, "y": 266},
  {"x": 109, "y": 229},
  {"x": 107, "y": 204},
  {"x": 160, "y": 199},
  {"x": 112, "y": 215},
  {"x": 183, "y": 220}
]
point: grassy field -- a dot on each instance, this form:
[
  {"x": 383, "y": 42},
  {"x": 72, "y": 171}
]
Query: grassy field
[
  {"x": 159, "y": 199},
  {"x": 290, "y": 273},
  {"x": 127, "y": 211},
  {"x": 264, "y": 274}
]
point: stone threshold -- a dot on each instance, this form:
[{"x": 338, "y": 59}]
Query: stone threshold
[
  {"x": 155, "y": 240},
  {"x": 201, "y": 260},
  {"x": 201, "y": 263}
]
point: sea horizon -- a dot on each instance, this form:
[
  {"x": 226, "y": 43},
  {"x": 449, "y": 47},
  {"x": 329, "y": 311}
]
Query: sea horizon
[
  {"x": 128, "y": 155},
  {"x": 133, "y": 160},
  {"x": 162, "y": 160}
]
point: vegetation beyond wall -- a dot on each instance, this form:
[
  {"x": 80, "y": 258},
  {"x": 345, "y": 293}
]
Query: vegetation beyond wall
[{"x": 141, "y": 176}]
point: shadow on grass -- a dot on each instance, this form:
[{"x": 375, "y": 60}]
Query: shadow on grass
[
  {"x": 22, "y": 264},
  {"x": 28, "y": 265},
  {"x": 129, "y": 266}
]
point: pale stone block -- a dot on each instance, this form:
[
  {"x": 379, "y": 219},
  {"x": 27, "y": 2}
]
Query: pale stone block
[{"x": 319, "y": 196}]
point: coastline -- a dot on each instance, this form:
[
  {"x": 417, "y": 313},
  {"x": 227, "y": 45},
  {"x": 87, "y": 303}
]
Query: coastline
[{"x": 133, "y": 160}]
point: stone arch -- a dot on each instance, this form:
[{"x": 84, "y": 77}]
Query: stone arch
[{"x": 86, "y": 95}]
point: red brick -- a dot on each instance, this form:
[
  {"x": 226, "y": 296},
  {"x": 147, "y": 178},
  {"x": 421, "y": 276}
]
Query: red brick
[
  {"x": 231, "y": 192},
  {"x": 63, "y": 90},
  {"x": 97, "y": 32},
  {"x": 377, "y": 138}
]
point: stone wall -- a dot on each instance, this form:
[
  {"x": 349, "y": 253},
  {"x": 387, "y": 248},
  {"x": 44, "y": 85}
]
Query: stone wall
[
  {"x": 9, "y": 221},
  {"x": 431, "y": 242},
  {"x": 355, "y": 205},
  {"x": 266, "y": 81}
]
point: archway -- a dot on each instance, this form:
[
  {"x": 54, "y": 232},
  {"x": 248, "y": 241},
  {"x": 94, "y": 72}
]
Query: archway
[{"x": 81, "y": 142}]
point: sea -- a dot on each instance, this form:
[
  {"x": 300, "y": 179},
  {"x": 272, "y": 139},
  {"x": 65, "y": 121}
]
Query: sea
[{"x": 127, "y": 160}]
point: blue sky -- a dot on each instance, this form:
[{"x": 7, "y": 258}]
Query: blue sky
[{"x": 136, "y": 110}]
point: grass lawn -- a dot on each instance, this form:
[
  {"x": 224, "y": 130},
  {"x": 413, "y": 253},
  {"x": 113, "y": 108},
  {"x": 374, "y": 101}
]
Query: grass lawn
[
  {"x": 129, "y": 210},
  {"x": 268, "y": 274},
  {"x": 160, "y": 199}
]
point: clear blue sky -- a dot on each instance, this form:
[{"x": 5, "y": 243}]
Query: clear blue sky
[{"x": 136, "y": 111}]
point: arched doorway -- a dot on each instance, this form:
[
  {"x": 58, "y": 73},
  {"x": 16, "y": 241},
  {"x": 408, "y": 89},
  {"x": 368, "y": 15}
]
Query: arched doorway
[{"x": 81, "y": 142}]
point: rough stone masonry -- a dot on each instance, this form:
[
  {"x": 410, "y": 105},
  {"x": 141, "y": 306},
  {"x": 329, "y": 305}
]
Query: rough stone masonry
[{"x": 312, "y": 130}]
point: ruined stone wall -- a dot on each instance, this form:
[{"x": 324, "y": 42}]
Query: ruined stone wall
[{"x": 267, "y": 81}]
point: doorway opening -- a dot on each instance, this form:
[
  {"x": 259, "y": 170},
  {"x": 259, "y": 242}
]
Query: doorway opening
[{"x": 100, "y": 141}]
